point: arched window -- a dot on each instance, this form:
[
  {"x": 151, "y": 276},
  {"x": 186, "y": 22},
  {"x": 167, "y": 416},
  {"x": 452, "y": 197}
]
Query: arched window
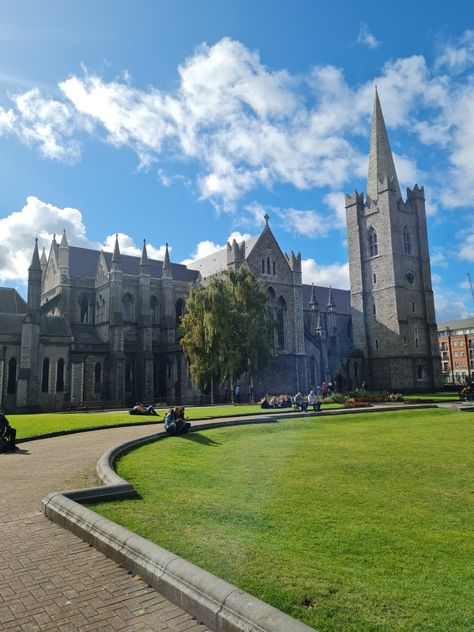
[
  {"x": 11, "y": 384},
  {"x": 179, "y": 311},
  {"x": 60, "y": 376},
  {"x": 374, "y": 308},
  {"x": 154, "y": 309},
  {"x": 280, "y": 317},
  {"x": 274, "y": 269},
  {"x": 417, "y": 343},
  {"x": 45, "y": 376},
  {"x": 84, "y": 305},
  {"x": 263, "y": 266},
  {"x": 127, "y": 307},
  {"x": 406, "y": 241},
  {"x": 268, "y": 265},
  {"x": 373, "y": 247},
  {"x": 97, "y": 377}
]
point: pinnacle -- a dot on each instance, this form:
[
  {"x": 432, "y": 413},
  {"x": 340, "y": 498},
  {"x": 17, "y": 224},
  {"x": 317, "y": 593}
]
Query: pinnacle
[
  {"x": 144, "y": 258},
  {"x": 381, "y": 163},
  {"x": 35, "y": 260},
  {"x": 116, "y": 255},
  {"x": 64, "y": 243},
  {"x": 166, "y": 262}
]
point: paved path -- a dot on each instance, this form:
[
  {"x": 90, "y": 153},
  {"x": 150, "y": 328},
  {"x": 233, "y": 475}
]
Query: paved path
[{"x": 49, "y": 579}]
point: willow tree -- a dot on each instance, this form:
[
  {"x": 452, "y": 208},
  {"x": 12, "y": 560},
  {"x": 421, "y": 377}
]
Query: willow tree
[{"x": 227, "y": 330}]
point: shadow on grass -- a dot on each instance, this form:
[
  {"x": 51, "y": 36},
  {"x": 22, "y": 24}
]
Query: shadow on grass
[{"x": 199, "y": 438}]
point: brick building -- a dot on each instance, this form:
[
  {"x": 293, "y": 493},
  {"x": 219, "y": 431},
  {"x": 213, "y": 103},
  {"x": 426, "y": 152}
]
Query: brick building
[{"x": 456, "y": 346}]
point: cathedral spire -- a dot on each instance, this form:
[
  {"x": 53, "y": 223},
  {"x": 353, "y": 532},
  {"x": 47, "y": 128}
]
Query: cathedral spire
[
  {"x": 312, "y": 301},
  {"x": 330, "y": 304},
  {"x": 381, "y": 163},
  {"x": 166, "y": 262},
  {"x": 64, "y": 243},
  {"x": 116, "y": 255},
  {"x": 35, "y": 260},
  {"x": 43, "y": 260},
  {"x": 144, "y": 258}
]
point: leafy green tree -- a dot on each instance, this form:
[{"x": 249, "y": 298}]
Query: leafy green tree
[{"x": 227, "y": 330}]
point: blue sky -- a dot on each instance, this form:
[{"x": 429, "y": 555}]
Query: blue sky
[{"x": 184, "y": 122}]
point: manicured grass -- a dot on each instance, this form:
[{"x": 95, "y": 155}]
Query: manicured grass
[
  {"x": 44, "y": 423},
  {"x": 366, "y": 518},
  {"x": 434, "y": 397}
]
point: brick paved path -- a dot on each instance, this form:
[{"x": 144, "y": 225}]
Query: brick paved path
[{"x": 49, "y": 579}]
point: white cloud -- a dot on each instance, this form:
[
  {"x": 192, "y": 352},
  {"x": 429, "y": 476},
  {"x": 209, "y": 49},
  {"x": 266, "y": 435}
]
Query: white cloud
[
  {"x": 366, "y": 37},
  {"x": 207, "y": 247},
  {"x": 336, "y": 274},
  {"x": 457, "y": 55},
  {"x": 438, "y": 258},
  {"x": 299, "y": 222},
  {"x": 41, "y": 219},
  {"x": 449, "y": 307},
  {"x": 466, "y": 248}
]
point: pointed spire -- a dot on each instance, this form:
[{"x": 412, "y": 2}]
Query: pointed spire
[
  {"x": 144, "y": 258},
  {"x": 116, "y": 255},
  {"x": 35, "y": 260},
  {"x": 64, "y": 243},
  {"x": 44, "y": 260},
  {"x": 312, "y": 301},
  {"x": 381, "y": 163},
  {"x": 330, "y": 304},
  {"x": 166, "y": 262}
]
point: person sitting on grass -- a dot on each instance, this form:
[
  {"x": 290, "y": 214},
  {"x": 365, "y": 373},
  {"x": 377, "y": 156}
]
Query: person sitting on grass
[
  {"x": 466, "y": 393},
  {"x": 313, "y": 401},
  {"x": 7, "y": 433},
  {"x": 264, "y": 403},
  {"x": 175, "y": 422}
]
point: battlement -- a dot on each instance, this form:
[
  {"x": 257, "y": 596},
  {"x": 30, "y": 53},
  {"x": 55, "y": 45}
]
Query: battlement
[
  {"x": 294, "y": 261},
  {"x": 235, "y": 252},
  {"x": 417, "y": 193}
]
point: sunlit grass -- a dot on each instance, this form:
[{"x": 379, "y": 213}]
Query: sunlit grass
[{"x": 366, "y": 517}]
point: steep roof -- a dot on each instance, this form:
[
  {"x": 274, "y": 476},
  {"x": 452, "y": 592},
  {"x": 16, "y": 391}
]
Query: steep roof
[
  {"x": 341, "y": 299},
  {"x": 217, "y": 261},
  {"x": 11, "y": 302},
  {"x": 83, "y": 263},
  {"x": 11, "y": 323}
]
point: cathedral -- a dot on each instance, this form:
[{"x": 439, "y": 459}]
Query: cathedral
[{"x": 104, "y": 327}]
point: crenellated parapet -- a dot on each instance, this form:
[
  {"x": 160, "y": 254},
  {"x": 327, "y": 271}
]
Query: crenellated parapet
[
  {"x": 417, "y": 193},
  {"x": 235, "y": 253}
]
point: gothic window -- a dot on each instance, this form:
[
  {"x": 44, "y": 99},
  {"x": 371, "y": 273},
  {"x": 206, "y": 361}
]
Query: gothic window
[
  {"x": 413, "y": 306},
  {"x": 45, "y": 376},
  {"x": 268, "y": 265},
  {"x": 419, "y": 372},
  {"x": 375, "y": 278},
  {"x": 374, "y": 308},
  {"x": 11, "y": 384},
  {"x": 179, "y": 309},
  {"x": 373, "y": 247},
  {"x": 97, "y": 377},
  {"x": 263, "y": 266},
  {"x": 84, "y": 306},
  {"x": 60, "y": 376},
  {"x": 274, "y": 269},
  {"x": 154, "y": 309},
  {"x": 280, "y": 317},
  {"x": 128, "y": 377},
  {"x": 406, "y": 241},
  {"x": 376, "y": 343},
  {"x": 127, "y": 307},
  {"x": 416, "y": 337}
]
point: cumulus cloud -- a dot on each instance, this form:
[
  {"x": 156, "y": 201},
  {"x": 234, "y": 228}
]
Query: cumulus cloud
[
  {"x": 207, "y": 247},
  {"x": 42, "y": 220},
  {"x": 336, "y": 274},
  {"x": 449, "y": 306},
  {"x": 458, "y": 54},
  {"x": 366, "y": 37},
  {"x": 299, "y": 222}
]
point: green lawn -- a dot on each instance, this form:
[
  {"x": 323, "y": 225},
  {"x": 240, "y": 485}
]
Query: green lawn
[
  {"x": 366, "y": 518},
  {"x": 44, "y": 423},
  {"x": 434, "y": 397}
]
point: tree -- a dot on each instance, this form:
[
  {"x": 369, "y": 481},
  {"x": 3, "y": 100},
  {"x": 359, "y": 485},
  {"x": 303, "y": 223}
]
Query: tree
[{"x": 227, "y": 330}]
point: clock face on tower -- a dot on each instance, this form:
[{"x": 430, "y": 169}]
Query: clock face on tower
[{"x": 410, "y": 277}]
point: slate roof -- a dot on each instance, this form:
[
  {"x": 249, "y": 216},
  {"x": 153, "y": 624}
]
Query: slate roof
[
  {"x": 465, "y": 323},
  {"x": 11, "y": 323},
  {"x": 341, "y": 298},
  {"x": 217, "y": 261},
  {"x": 83, "y": 263},
  {"x": 11, "y": 302}
]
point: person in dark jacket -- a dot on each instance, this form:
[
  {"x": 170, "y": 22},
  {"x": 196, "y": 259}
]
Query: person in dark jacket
[{"x": 7, "y": 433}]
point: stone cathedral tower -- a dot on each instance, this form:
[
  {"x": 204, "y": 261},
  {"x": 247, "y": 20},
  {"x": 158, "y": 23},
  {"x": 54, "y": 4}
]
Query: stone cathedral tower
[{"x": 393, "y": 317}]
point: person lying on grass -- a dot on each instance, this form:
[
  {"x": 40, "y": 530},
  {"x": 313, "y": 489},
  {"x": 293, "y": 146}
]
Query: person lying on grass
[{"x": 141, "y": 409}]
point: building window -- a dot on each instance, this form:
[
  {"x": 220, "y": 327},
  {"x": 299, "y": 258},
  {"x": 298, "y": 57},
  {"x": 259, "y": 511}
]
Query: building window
[
  {"x": 406, "y": 241},
  {"x": 375, "y": 278},
  {"x": 45, "y": 376},
  {"x": 97, "y": 377},
  {"x": 179, "y": 311},
  {"x": 154, "y": 309},
  {"x": 461, "y": 343},
  {"x": 455, "y": 343},
  {"x": 84, "y": 305},
  {"x": 268, "y": 265},
  {"x": 405, "y": 340},
  {"x": 373, "y": 247},
  {"x": 374, "y": 308},
  {"x": 11, "y": 384},
  {"x": 416, "y": 338},
  {"x": 461, "y": 353},
  {"x": 413, "y": 306},
  {"x": 127, "y": 307},
  {"x": 263, "y": 266},
  {"x": 274, "y": 268},
  {"x": 280, "y": 317},
  {"x": 60, "y": 376},
  {"x": 419, "y": 372},
  {"x": 376, "y": 343}
]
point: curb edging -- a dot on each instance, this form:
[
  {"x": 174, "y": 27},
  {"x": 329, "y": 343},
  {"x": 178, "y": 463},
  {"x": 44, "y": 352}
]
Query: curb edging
[{"x": 221, "y": 606}]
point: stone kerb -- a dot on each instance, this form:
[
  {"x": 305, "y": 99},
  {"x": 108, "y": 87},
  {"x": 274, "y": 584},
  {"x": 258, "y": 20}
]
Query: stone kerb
[{"x": 220, "y": 605}]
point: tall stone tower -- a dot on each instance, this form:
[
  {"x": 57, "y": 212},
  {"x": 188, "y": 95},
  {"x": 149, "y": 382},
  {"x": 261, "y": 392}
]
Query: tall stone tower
[{"x": 393, "y": 317}]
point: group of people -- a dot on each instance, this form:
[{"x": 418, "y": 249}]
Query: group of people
[
  {"x": 7, "y": 434},
  {"x": 299, "y": 401},
  {"x": 175, "y": 421},
  {"x": 303, "y": 402},
  {"x": 141, "y": 409},
  {"x": 273, "y": 401}
]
